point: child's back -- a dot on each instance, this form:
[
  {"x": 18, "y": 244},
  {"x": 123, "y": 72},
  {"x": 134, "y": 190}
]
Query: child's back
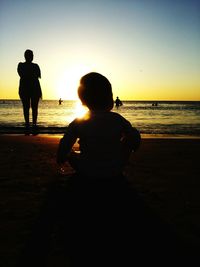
[{"x": 100, "y": 135}]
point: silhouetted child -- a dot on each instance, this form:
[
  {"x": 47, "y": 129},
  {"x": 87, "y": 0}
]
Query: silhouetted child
[
  {"x": 97, "y": 193},
  {"x": 106, "y": 139},
  {"x": 107, "y": 220}
]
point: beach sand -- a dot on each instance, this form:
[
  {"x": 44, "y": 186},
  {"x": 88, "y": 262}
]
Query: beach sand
[{"x": 165, "y": 173}]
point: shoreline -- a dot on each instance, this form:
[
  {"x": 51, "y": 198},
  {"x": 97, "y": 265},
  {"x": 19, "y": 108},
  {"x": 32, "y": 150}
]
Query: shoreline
[{"x": 143, "y": 136}]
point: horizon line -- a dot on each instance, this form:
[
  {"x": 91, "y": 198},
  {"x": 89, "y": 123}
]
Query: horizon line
[{"x": 145, "y": 100}]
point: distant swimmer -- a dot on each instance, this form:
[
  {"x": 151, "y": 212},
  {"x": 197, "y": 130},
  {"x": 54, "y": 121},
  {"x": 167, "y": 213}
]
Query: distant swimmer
[
  {"x": 155, "y": 104},
  {"x": 118, "y": 102},
  {"x": 60, "y": 101}
]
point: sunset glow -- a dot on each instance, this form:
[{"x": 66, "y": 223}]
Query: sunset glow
[
  {"x": 147, "y": 49},
  {"x": 79, "y": 110},
  {"x": 68, "y": 81}
]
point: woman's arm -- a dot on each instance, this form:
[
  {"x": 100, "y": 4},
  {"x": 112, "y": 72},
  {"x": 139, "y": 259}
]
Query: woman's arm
[
  {"x": 37, "y": 71},
  {"x": 19, "y": 69}
]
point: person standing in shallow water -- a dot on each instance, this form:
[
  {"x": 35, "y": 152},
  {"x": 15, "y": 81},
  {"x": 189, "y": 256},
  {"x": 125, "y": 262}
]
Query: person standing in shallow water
[
  {"x": 118, "y": 102},
  {"x": 29, "y": 89}
]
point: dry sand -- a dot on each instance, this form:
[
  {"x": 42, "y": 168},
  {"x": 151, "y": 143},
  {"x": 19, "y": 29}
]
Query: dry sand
[{"x": 165, "y": 172}]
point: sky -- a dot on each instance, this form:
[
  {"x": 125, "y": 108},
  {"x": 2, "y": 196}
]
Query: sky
[{"x": 148, "y": 49}]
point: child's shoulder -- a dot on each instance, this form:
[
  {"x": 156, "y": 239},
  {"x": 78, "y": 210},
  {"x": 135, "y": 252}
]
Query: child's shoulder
[
  {"x": 90, "y": 117},
  {"x": 118, "y": 119},
  {"x": 117, "y": 116}
]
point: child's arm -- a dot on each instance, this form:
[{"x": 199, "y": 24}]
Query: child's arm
[
  {"x": 132, "y": 139},
  {"x": 130, "y": 142},
  {"x": 65, "y": 145}
]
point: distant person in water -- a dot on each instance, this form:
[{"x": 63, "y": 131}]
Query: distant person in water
[
  {"x": 118, "y": 102},
  {"x": 29, "y": 89},
  {"x": 106, "y": 138},
  {"x": 155, "y": 104},
  {"x": 60, "y": 101}
]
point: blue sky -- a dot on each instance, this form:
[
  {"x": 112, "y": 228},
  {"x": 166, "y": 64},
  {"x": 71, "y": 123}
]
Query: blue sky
[{"x": 147, "y": 49}]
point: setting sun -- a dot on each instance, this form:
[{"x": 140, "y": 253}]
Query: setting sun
[
  {"x": 79, "y": 110},
  {"x": 68, "y": 81}
]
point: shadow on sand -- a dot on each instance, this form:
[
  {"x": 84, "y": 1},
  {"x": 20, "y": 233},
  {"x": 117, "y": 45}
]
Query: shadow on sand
[{"x": 98, "y": 223}]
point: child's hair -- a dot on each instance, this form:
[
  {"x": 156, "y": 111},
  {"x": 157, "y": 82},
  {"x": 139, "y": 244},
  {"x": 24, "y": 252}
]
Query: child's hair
[{"x": 95, "y": 91}]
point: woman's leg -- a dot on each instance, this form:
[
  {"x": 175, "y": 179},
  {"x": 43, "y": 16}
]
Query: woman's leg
[
  {"x": 26, "y": 106},
  {"x": 34, "y": 106}
]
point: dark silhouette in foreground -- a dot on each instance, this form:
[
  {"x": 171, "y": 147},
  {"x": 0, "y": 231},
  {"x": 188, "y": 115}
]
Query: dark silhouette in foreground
[
  {"x": 29, "y": 89},
  {"x": 95, "y": 214},
  {"x": 99, "y": 223},
  {"x": 106, "y": 138}
]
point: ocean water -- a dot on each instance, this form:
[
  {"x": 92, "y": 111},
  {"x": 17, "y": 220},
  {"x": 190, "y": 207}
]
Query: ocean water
[{"x": 168, "y": 117}]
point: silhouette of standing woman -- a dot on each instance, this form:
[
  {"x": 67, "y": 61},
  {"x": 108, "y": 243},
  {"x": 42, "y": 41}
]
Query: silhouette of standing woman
[{"x": 29, "y": 89}]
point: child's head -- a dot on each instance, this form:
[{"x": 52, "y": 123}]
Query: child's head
[{"x": 95, "y": 92}]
